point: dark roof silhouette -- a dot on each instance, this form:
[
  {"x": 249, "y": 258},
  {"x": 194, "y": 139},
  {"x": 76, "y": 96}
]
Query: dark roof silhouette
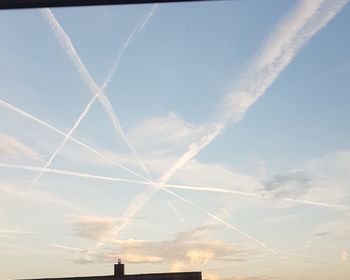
[
  {"x": 119, "y": 275},
  {"x": 150, "y": 276}
]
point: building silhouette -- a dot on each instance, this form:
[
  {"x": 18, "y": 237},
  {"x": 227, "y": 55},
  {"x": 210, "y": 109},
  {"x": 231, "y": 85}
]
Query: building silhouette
[{"x": 119, "y": 274}]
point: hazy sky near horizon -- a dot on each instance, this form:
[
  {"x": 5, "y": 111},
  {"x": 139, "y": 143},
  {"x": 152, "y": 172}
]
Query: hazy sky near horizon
[{"x": 207, "y": 137}]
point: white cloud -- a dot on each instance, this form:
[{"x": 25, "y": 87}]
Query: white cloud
[
  {"x": 37, "y": 196},
  {"x": 93, "y": 227},
  {"x": 165, "y": 134},
  {"x": 14, "y": 148}
]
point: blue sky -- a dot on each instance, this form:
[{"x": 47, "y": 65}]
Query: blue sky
[{"x": 219, "y": 143}]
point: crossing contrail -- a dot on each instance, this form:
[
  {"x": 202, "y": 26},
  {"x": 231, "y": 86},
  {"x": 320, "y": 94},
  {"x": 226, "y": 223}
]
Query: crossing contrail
[
  {"x": 245, "y": 96},
  {"x": 132, "y": 210},
  {"x": 66, "y": 138},
  {"x": 51, "y": 127},
  {"x": 290, "y": 35},
  {"x": 98, "y": 92}
]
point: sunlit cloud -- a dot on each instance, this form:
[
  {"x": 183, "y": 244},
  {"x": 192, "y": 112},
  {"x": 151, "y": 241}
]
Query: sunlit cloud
[
  {"x": 165, "y": 135},
  {"x": 93, "y": 227},
  {"x": 344, "y": 256},
  {"x": 192, "y": 247}
]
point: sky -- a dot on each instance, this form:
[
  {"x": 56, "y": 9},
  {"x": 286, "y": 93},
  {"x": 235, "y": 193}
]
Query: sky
[{"x": 209, "y": 136}]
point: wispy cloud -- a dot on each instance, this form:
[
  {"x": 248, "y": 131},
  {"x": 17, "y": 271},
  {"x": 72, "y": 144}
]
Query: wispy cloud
[
  {"x": 338, "y": 229},
  {"x": 37, "y": 196},
  {"x": 93, "y": 227},
  {"x": 12, "y": 147},
  {"x": 323, "y": 179},
  {"x": 166, "y": 134}
]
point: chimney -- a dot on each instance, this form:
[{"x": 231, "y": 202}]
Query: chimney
[{"x": 119, "y": 269}]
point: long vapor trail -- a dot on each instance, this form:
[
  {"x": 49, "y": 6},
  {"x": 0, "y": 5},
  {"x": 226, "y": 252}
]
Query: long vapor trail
[
  {"x": 290, "y": 35},
  {"x": 191, "y": 152},
  {"x": 149, "y": 16},
  {"x": 255, "y": 195},
  {"x": 66, "y": 138},
  {"x": 98, "y": 92},
  {"x": 72, "y": 173},
  {"x": 133, "y": 210},
  {"x": 176, "y": 212},
  {"x": 262, "y": 244},
  {"x": 51, "y": 127}
]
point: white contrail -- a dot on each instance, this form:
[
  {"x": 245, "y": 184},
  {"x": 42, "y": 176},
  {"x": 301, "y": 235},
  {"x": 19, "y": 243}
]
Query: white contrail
[
  {"x": 67, "y": 248},
  {"x": 255, "y": 195},
  {"x": 176, "y": 212},
  {"x": 137, "y": 28},
  {"x": 69, "y": 48},
  {"x": 149, "y": 16},
  {"x": 193, "y": 149},
  {"x": 71, "y": 173},
  {"x": 66, "y": 138},
  {"x": 131, "y": 210},
  {"x": 67, "y": 44},
  {"x": 51, "y": 127},
  {"x": 222, "y": 221}
]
